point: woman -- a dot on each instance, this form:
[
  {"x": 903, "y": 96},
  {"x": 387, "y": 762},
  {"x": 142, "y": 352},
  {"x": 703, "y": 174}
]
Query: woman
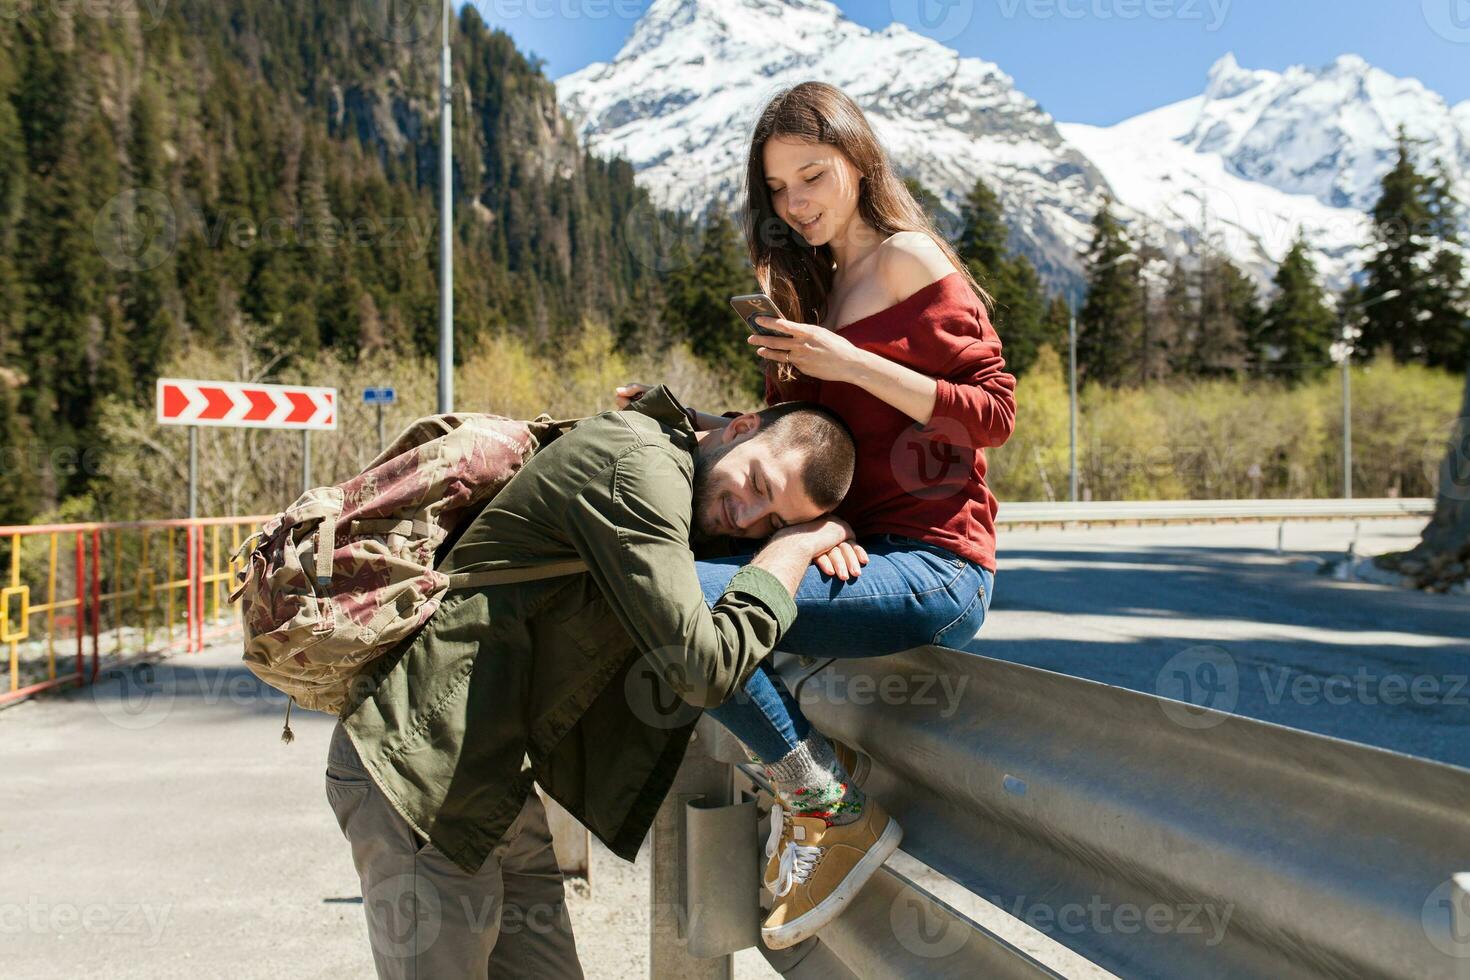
[{"x": 889, "y": 329}]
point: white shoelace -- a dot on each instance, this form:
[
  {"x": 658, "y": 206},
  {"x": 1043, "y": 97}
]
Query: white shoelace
[
  {"x": 797, "y": 862},
  {"x": 774, "y": 839}
]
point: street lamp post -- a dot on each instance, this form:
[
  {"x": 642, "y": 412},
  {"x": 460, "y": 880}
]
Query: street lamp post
[
  {"x": 446, "y": 228},
  {"x": 1347, "y": 388},
  {"x": 1347, "y": 421},
  {"x": 1072, "y": 389}
]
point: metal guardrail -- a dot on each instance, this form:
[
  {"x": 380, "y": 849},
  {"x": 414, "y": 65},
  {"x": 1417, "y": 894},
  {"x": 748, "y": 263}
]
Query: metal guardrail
[
  {"x": 1022, "y": 514},
  {"x": 133, "y": 582},
  {"x": 1151, "y": 837}
]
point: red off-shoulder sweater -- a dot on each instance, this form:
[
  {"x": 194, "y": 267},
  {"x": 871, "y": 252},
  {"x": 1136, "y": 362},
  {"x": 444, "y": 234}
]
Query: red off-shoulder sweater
[{"x": 925, "y": 482}]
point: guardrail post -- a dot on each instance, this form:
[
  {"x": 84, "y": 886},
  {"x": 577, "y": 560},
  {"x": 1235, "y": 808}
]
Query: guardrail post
[
  {"x": 96, "y": 602},
  {"x": 190, "y": 587},
  {"x": 80, "y": 623},
  {"x": 199, "y": 576},
  {"x": 669, "y": 957}
]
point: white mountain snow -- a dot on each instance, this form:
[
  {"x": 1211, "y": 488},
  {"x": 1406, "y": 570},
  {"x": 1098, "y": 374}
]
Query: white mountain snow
[
  {"x": 680, "y": 98},
  {"x": 1257, "y": 155},
  {"x": 1265, "y": 153},
  {"x": 1328, "y": 132}
]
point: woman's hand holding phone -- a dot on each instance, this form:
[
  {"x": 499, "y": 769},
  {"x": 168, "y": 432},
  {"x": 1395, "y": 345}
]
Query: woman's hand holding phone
[{"x": 814, "y": 351}]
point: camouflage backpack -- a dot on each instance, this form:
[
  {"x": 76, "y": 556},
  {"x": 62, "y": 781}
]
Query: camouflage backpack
[{"x": 346, "y": 572}]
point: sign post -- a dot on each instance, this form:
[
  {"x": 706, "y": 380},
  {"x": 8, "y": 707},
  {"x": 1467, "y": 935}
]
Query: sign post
[
  {"x": 380, "y": 395},
  {"x": 193, "y": 471},
  {"x": 237, "y": 404}
]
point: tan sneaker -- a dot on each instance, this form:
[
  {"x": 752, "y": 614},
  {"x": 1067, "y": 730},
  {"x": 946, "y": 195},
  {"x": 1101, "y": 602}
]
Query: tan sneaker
[
  {"x": 857, "y": 766},
  {"x": 820, "y": 868}
]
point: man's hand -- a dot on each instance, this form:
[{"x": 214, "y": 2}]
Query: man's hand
[
  {"x": 790, "y": 550},
  {"x": 844, "y": 559},
  {"x": 821, "y": 535},
  {"x": 629, "y": 393}
]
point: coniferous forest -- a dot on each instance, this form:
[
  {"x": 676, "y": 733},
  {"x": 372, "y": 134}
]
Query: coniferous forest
[
  {"x": 249, "y": 191},
  {"x": 266, "y": 170}
]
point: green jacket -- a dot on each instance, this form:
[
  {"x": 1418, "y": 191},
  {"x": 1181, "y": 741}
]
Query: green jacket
[{"x": 543, "y": 680}]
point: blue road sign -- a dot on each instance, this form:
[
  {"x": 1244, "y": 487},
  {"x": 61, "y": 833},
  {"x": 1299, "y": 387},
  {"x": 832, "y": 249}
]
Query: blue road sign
[{"x": 379, "y": 396}]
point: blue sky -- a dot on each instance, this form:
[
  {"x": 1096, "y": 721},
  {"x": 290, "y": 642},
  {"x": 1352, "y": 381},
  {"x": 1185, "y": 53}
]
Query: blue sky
[{"x": 1093, "y": 61}]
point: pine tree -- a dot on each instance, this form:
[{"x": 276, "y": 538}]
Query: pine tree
[
  {"x": 983, "y": 233},
  {"x": 1297, "y": 330},
  {"x": 1057, "y": 323},
  {"x": 1401, "y": 225},
  {"x": 17, "y": 448},
  {"x": 151, "y": 329},
  {"x": 697, "y": 308},
  {"x": 1155, "y": 339},
  {"x": 1019, "y": 314},
  {"x": 1111, "y": 322},
  {"x": 1228, "y": 314},
  {"x": 1177, "y": 311}
]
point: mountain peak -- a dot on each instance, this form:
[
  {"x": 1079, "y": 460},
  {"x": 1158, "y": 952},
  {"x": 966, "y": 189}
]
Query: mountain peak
[
  {"x": 678, "y": 102},
  {"x": 1354, "y": 63},
  {"x": 1227, "y": 79},
  {"x": 1327, "y": 131},
  {"x": 1224, "y": 65},
  {"x": 723, "y": 18}
]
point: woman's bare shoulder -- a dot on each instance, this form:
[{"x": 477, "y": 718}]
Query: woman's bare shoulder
[{"x": 910, "y": 260}]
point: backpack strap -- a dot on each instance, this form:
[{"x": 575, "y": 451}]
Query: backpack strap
[
  {"x": 544, "y": 428},
  {"x": 511, "y": 576},
  {"x": 385, "y": 526}
]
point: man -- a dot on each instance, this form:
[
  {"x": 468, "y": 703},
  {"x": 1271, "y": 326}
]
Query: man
[{"x": 430, "y": 771}]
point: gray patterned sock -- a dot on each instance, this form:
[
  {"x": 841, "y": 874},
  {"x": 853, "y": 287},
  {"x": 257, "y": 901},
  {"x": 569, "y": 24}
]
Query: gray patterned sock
[{"x": 811, "y": 782}]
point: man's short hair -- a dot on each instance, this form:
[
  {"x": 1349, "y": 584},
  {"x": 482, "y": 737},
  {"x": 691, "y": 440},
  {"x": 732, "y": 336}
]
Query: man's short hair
[{"x": 820, "y": 435}]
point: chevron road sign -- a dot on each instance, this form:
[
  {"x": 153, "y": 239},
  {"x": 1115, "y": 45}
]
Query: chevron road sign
[{"x": 232, "y": 403}]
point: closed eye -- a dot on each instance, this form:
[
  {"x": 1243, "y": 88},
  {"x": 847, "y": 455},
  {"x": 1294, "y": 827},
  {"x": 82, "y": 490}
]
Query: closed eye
[{"x": 763, "y": 487}]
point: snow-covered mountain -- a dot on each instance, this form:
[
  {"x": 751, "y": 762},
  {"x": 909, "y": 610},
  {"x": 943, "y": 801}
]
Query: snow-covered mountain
[
  {"x": 1257, "y": 155},
  {"x": 1328, "y": 132},
  {"x": 680, "y": 98},
  {"x": 1261, "y": 153}
]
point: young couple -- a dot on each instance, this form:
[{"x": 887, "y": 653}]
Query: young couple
[
  {"x": 889, "y": 331},
  {"x": 880, "y": 414}
]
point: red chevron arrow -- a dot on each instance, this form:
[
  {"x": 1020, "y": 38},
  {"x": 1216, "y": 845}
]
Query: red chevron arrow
[
  {"x": 174, "y": 401},
  {"x": 261, "y": 405},
  {"x": 304, "y": 407},
  {"x": 218, "y": 403}
]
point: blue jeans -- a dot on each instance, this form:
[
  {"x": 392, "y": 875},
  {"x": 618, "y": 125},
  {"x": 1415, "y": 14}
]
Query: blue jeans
[{"x": 909, "y": 594}]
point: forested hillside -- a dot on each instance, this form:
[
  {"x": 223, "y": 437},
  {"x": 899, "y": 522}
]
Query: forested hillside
[{"x": 197, "y": 173}]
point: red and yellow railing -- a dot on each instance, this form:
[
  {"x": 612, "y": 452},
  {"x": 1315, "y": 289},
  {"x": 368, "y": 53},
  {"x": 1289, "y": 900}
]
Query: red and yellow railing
[{"x": 148, "y": 586}]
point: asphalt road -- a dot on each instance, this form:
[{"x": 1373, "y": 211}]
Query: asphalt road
[
  {"x": 1212, "y": 614},
  {"x": 153, "y": 825}
]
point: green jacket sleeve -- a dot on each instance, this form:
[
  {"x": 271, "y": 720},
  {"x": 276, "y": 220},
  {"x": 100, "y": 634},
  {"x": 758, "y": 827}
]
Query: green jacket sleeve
[{"x": 631, "y": 524}]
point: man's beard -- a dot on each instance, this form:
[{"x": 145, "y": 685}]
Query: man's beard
[{"x": 706, "y": 490}]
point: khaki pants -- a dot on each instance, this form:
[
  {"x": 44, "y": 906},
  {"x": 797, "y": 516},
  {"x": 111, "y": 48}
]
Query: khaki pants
[{"x": 428, "y": 919}]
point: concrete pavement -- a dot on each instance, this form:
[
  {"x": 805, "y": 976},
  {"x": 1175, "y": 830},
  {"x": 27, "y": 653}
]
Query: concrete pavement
[{"x": 154, "y": 826}]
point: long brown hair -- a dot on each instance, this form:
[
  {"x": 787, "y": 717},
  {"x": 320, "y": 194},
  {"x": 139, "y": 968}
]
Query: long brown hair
[{"x": 796, "y": 275}]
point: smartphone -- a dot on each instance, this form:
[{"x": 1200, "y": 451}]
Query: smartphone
[{"x": 754, "y": 305}]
